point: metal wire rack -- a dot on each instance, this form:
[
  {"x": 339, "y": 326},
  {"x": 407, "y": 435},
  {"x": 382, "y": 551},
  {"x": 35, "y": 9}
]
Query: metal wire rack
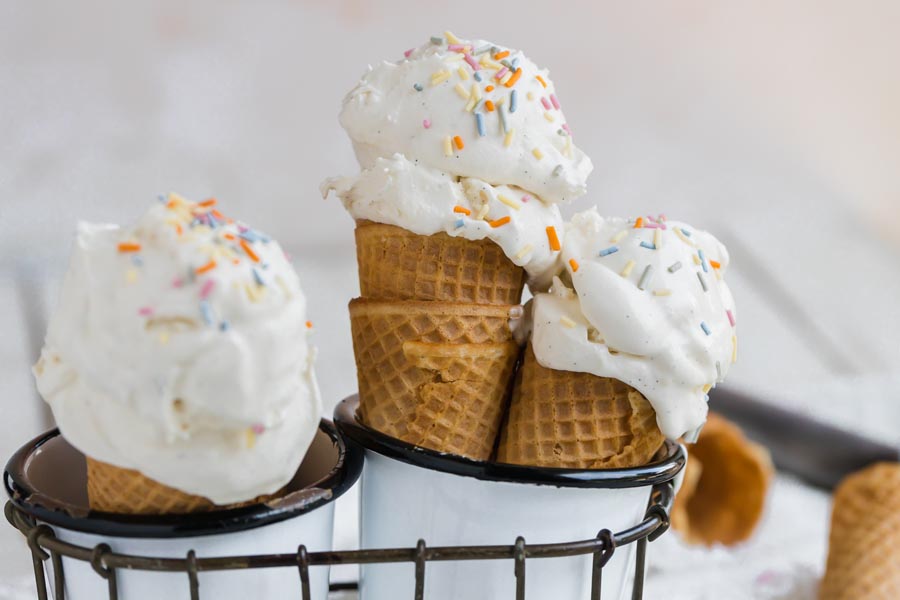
[{"x": 45, "y": 546}]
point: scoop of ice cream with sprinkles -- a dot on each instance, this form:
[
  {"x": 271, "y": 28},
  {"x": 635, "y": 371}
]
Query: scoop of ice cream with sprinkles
[
  {"x": 467, "y": 138},
  {"x": 180, "y": 348},
  {"x": 643, "y": 301}
]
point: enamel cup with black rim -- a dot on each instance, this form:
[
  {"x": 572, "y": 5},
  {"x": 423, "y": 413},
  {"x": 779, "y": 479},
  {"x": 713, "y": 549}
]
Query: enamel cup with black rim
[
  {"x": 410, "y": 493},
  {"x": 45, "y": 480}
]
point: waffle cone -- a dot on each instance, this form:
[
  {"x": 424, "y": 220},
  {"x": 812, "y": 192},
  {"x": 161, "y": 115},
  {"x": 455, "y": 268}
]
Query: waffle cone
[
  {"x": 117, "y": 490},
  {"x": 864, "y": 544},
  {"x": 723, "y": 495},
  {"x": 434, "y": 374},
  {"x": 576, "y": 420},
  {"x": 396, "y": 264}
]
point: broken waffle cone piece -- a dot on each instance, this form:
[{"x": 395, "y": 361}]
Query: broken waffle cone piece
[
  {"x": 396, "y": 264},
  {"x": 864, "y": 544},
  {"x": 725, "y": 485},
  {"x": 576, "y": 420}
]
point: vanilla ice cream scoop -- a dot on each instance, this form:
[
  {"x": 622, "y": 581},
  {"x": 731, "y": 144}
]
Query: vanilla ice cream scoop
[
  {"x": 642, "y": 301},
  {"x": 180, "y": 349}
]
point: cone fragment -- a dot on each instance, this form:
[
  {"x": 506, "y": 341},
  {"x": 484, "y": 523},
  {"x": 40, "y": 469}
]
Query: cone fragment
[
  {"x": 864, "y": 544},
  {"x": 396, "y": 264},
  {"x": 434, "y": 374},
  {"x": 576, "y": 420},
  {"x": 723, "y": 495}
]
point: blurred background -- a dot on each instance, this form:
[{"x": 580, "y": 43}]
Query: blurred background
[{"x": 774, "y": 125}]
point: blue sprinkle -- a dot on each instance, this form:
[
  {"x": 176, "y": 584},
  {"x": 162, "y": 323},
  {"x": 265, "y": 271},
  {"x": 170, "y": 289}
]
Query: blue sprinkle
[
  {"x": 479, "y": 122},
  {"x": 502, "y": 114},
  {"x": 223, "y": 326},
  {"x": 460, "y": 223},
  {"x": 685, "y": 232},
  {"x": 608, "y": 251},
  {"x": 513, "y": 101},
  {"x": 705, "y": 328},
  {"x": 515, "y": 63},
  {"x": 249, "y": 235},
  {"x": 648, "y": 245},
  {"x": 162, "y": 198},
  {"x": 477, "y": 76},
  {"x": 437, "y": 40},
  {"x": 258, "y": 278},
  {"x": 418, "y": 87},
  {"x": 136, "y": 260},
  {"x": 206, "y": 311},
  {"x": 702, "y": 260}
]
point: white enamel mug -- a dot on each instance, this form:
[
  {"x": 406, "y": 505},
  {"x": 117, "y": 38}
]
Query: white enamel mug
[
  {"x": 46, "y": 481},
  {"x": 410, "y": 493}
]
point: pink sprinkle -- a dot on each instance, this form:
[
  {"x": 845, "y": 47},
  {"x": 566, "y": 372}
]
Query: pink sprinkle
[
  {"x": 177, "y": 282},
  {"x": 730, "y": 317},
  {"x": 426, "y": 123},
  {"x": 546, "y": 103},
  {"x": 472, "y": 62},
  {"x": 455, "y": 47},
  {"x": 651, "y": 219},
  {"x": 662, "y": 217},
  {"x": 565, "y": 127},
  {"x": 651, "y": 226},
  {"x": 525, "y": 198},
  {"x": 207, "y": 288},
  {"x": 501, "y": 73},
  {"x": 145, "y": 311},
  {"x": 258, "y": 428},
  {"x": 662, "y": 226},
  {"x": 244, "y": 229},
  {"x": 408, "y": 52},
  {"x": 554, "y": 101}
]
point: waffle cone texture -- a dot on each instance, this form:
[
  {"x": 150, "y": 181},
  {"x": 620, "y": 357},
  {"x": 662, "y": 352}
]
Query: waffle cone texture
[
  {"x": 126, "y": 491},
  {"x": 725, "y": 486},
  {"x": 574, "y": 420},
  {"x": 434, "y": 374},
  {"x": 396, "y": 264},
  {"x": 864, "y": 544}
]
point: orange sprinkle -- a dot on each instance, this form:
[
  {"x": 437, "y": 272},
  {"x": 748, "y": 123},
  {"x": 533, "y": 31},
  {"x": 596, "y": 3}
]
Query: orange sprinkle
[
  {"x": 172, "y": 203},
  {"x": 217, "y": 214},
  {"x": 499, "y": 222},
  {"x": 253, "y": 255},
  {"x": 639, "y": 223},
  {"x": 574, "y": 264},
  {"x": 309, "y": 324},
  {"x": 229, "y": 236},
  {"x": 489, "y": 105},
  {"x": 489, "y": 88},
  {"x": 205, "y": 268},
  {"x": 236, "y": 261},
  {"x": 129, "y": 247},
  {"x": 208, "y": 202},
  {"x": 501, "y": 55},
  {"x": 459, "y": 143},
  {"x": 715, "y": 264},
  {"x": 178, "y": 229},
  {"x": 515, "y": 77},
  {"x": 541, "y": 79},
  {"x": 554, "y": 240},
  {"x": 462, "y": 209}
]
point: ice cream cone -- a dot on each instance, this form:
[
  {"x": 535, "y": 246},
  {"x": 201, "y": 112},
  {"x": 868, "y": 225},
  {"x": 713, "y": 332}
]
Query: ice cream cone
[
  {"x": 576, "y": 420},
  {"x": 864, "y": 545},
  {"x": 434, "y": 374},
  {"x": 724, "y": 492},
  {"x": 396, "y": 264}
]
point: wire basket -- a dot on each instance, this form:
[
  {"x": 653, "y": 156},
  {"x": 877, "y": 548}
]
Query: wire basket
[{"x": 45, "y": 546}]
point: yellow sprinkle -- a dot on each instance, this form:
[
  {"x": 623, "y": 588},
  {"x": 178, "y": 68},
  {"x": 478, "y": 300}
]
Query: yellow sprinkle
[
  {"x": 507, "y": 140},
  {"x": 463, "y": 74},
  {"x": 567, "y": 322},
  {"x": 505, "y": 78},
  {"x": 627, "y": 270},
  {"x": 483, "y": 211},
  {"x": 530, "y": 95},
  {"x": 683, "y": 237},
  {"x": 249, "y": 437},
  {"x": 548, "y": 116},
  {"x": 657, "y": 239},
  {"x": 718, "y": 273},
  {"x": 537, "y": 153},
  {"x": 461, "y": 91},
  {"x": 619, "y": 236},
  {"x": 568, "y": 150},
  {"x": 525, "y": 250},
  {"x": 734, "y": 348},
  {"x": 706, "y": 388},
  {"x": 131, "y": 275},
  {"x": 696, "y": 259},
  {"x": 662, "y": 292},
  {"x": 500, "y": 101},
  {"x": 455, "y": 57},
  {"x": 440, "y": 77},
  {"x": 451, "y": 39},
  {"x": 470, "y": 105},
  {"x": 476, "y": 92},
  {"x": 448, "y": 146},
  {"x": 177, "y": 198},
  {"x": 509, "y": 201},
  {"x": 164, "y": 337}
]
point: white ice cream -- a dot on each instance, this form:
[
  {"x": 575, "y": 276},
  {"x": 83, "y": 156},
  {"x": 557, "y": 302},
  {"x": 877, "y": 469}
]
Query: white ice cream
[
  {"x": 657, "y": 316},
  {"x": 180, "y": 349},
  {"x": 452, "y": 119}
]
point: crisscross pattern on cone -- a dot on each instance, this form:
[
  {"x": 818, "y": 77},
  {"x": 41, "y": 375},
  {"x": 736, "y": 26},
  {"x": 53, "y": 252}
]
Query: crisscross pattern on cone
[
  {"x": 576, "y": 420},
  {"x": 434, "y": 374},
  {"x": 723, "y": 495},
  {"x": 864, "y": 544},
  {"x": 396, "y": 264}
]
